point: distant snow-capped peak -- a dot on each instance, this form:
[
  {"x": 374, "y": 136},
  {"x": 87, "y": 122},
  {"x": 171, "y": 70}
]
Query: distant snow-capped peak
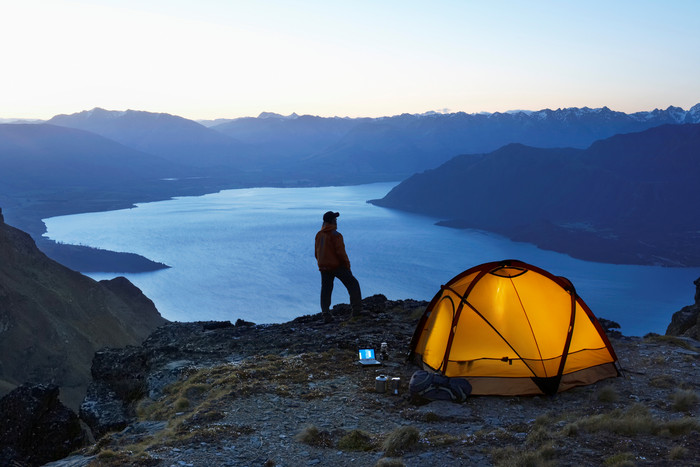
[{"x": 264, "y": 115}]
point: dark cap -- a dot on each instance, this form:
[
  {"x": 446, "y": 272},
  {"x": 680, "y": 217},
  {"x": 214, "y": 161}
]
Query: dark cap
[{"x": 330, "y": 217}]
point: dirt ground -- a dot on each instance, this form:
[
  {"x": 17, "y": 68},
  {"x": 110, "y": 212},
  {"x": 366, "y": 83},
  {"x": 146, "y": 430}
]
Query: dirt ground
[{"x": 311, "y": 403}]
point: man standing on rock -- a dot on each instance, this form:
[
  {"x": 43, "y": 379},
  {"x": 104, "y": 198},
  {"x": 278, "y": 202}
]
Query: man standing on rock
[{"x": 333, "y": 262}]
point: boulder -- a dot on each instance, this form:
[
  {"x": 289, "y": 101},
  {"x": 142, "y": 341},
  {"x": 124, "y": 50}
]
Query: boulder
[
  {"x": 119, "y": 378},
  {"x": 686, "y": 321},
  {"x": 36, "y": 428}
]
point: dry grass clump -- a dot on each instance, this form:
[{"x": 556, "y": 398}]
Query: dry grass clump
[
  {"x": 684, "y": 400},
  {"x": 621, "y": 459},
  {"x": 107, "y": 454},
  {"x": 679, "y": 427},
  {"x": 677, "y": 453},
  {"x": 608, "y": 394},
  {"x": 181, "y": 404},
  {"x": 356, "y": 440},
  {"x": 637, "y": 420},
  {"x": 435, "y": 439},
  {"x": 511, "y": 456},
  {"x": 538, "y": 436},
  {"x": 401, "y": 440},
  {"x": 307, "y": 435},
  {"x": 677, "y": 341},
  {"x": 663, "y": 382},
  {"x": 570, "y": 430},
  {"x": 545, "y": 419},
  {"x": 314, "y": 437}
]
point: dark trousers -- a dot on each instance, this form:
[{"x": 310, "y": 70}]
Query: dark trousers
[{"x": 350, "y": 283}]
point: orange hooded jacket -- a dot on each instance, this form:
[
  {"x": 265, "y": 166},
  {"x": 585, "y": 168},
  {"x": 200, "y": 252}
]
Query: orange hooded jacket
[{"x": 330, "y": 249}]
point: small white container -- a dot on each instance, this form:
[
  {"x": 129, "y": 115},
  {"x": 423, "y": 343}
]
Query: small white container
[
  {"x": 380, "y": 383},
  {"x": 395, "y": 385}
]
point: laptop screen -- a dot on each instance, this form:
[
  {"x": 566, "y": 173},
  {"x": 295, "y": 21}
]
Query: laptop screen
[{"x": 366, "y": 354}]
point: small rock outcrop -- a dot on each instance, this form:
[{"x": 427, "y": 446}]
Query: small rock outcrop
[
  {"x": 686, "y": 321},
  {"x": 119, "y": 378},
  {"x": 36, "y": 428}
]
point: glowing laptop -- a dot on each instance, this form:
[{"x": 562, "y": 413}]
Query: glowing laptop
[{"x": 367, "y": 357}]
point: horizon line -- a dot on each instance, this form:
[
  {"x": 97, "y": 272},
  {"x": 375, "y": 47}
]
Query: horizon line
[{"x": 271, "y": 114}]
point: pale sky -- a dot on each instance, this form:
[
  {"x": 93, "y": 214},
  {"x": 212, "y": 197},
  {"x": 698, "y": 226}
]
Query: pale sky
[{"x": 205, "y": 59}]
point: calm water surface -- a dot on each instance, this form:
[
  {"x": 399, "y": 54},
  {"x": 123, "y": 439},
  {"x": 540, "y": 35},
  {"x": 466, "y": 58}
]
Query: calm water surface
[{"x": 249, "y": 254}]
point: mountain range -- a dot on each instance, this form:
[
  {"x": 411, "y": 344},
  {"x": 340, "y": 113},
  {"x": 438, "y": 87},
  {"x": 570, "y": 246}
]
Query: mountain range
[
  {"x": 175, "y": 139},
  {"x": 630, "y": 198},
  {"x": 317, "y": 150},
  {"x": 101, "y": 159}
]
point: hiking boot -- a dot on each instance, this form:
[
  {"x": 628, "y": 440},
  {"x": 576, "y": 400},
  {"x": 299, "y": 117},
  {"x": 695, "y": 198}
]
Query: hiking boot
[{"x": 327, "y": 317}]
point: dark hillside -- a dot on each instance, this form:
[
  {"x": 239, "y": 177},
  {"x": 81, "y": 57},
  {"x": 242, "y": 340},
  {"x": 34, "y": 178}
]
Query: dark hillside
[
  {"x": 629, "y": 198},
  {"x": 53, "y": 319},
  {"x": 171, "y": 137},
  {"x": 37, "y": 157}
]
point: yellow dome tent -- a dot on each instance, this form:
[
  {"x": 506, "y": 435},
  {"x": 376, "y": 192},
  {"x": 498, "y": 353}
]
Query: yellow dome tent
[{"x": 510, "y": 328}]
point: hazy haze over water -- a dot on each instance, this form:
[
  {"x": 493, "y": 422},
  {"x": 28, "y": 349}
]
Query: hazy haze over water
[{"x": 248, "y": 253}]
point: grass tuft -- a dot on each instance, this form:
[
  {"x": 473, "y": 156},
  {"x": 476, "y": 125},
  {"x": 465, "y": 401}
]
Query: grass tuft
[
  {"x": 314, "y": 437},
  {"x": 608, "y": 394},
  {"x": 356, "y": 440},
  {"x": 677, "y": 341},
  {"x": 538, "y": 436},
  {"x": 684, "y": 400},
  {"x": 107, "y": 454},
  {"x": 512, "y": 456},
  {"x": 680, "y": 426},
  {"x": 621, "y": 459},
  {"x": 401, "y": 440},
  {"x": 435, "y": 439},
  {"x": 637, "y": 420},
  {"x": 182, "y": 404},
  {"x": 677, "y": 453},
  {"x": 663, "y": 382}
]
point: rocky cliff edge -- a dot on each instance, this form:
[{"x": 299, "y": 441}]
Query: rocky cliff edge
[
  {"x": 293, "y": 394},
  {"x": 53, "y": 319}
]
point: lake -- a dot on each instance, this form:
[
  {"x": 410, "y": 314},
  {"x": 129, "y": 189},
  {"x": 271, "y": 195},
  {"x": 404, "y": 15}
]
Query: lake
[{"x": 248, "y": 253}]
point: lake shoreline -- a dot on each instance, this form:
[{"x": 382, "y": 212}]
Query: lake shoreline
[
  {"x": 29, "y": 216},
  {"x": 589, "y": 246},
  {"x": 586, "y": 244}
]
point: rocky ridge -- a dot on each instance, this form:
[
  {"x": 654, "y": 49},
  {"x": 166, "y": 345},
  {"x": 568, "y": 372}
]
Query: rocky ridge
[{"x": 293, "y": 394}]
